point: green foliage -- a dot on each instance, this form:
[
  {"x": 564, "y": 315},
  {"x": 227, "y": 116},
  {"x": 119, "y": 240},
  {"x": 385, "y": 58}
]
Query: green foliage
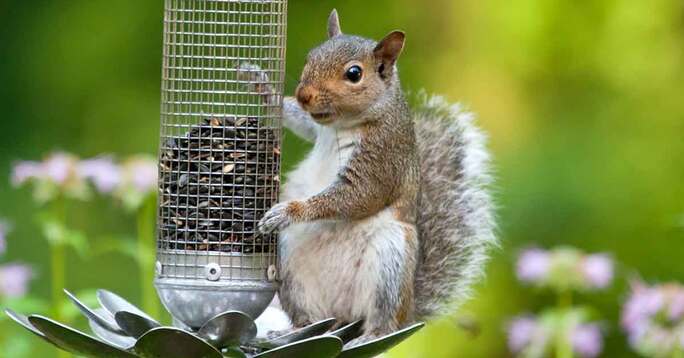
[{"x": 56, "y": 233}]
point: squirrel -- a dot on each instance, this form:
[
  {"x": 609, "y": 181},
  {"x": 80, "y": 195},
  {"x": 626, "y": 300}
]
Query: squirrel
[{"x": 388, "y": 219}]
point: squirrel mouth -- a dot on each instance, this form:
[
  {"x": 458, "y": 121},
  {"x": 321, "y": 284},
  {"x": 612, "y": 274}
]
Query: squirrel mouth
[{"x": 322, "y": 116}]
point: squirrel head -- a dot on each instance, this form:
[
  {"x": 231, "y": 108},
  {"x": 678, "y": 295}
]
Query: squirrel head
[{"x": 347, "y": 77}]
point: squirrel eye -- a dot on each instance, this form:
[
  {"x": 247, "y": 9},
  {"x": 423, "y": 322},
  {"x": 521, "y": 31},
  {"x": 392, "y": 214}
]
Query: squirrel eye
[{"x": 354, "y": 74}]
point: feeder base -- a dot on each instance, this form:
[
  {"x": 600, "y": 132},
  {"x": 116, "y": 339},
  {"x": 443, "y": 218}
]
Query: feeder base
[{"x": 195, "y": 303}]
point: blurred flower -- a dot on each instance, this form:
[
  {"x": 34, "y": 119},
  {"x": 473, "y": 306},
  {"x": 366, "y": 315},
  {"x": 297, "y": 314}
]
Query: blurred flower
[
  {"x": 25, "y": 170},
  {"x": 59, "y": 167},
  {"x": 533, "y": 265},
  {"x": 653, "y": 317},
  {"x": 532, "y": 337},
  {"x": 4, "y": 229},
  {"x": 587, "y": 340},
  {"x": 103, "y": 172},
  {"x": 565, "y": 268},
  {"x": 138, "y": 180},
  {"x": 58, "y": 173},
  {"x": 14, "y": 279},
  {"x": 521, "y": 332},
  {"x": 597, "y": 270},
  {"x": 143, "y": 173}
]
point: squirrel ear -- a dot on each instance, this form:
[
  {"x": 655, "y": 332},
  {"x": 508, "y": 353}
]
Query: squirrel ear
[
  {"x": 334, "y": 24},
  {"x": 388, "y": 50}
]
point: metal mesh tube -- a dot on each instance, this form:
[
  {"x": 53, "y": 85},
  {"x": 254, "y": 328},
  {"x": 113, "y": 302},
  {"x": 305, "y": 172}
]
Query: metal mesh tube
[{"x": 219, "y": 141}]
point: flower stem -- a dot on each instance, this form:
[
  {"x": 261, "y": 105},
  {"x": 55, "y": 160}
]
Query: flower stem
[
  {"x": 58, "y": 280},
  {"x": 145, "y": 221},
  {"x": 58, "y": 268},
  {"x": 565, "y": 299},
  {"x": 563, "y": 345}
]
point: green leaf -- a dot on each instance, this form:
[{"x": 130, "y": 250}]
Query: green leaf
[
  {"x": 78, "y": 241},
  {"x": 44, "y": 191},
  {"x": 53, "y": 230},
  {"x": 57, "y": 234},
  {"x": 122, "y": 244},
  {"x": 132, "y": 200}
]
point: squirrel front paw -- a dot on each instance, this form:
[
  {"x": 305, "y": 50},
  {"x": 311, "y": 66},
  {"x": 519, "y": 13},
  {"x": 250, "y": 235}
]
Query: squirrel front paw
[
  {"x": 279, "y": 217},
  {"x": 257, "y": 80}
]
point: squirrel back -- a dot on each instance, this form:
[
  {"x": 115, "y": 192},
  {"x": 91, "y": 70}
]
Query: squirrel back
[{"x": 455, "y": 212}]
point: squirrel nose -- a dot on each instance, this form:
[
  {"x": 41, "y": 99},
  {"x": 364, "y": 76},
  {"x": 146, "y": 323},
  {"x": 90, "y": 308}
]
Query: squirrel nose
[{"x": 304, "y": 95}]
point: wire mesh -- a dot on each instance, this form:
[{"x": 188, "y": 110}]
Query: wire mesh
[{"x": 219, "y": 139}]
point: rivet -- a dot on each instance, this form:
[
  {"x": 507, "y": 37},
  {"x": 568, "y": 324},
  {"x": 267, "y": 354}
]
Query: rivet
[{"x": 212, "y": 271}]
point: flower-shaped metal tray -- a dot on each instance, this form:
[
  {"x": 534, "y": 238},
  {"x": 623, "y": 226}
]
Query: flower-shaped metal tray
[{"x": 122, "y": 330}]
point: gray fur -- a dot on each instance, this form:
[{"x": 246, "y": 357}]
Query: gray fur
[
  {"x": 455, "y": 220},
  {"x": 298, "y": 120},
  {"x": 455, "y": 217}
]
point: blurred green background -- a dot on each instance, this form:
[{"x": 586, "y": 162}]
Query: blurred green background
[{"x": 583, "y": 102}]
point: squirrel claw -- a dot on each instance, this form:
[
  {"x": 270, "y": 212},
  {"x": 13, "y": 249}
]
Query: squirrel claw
[{"x": 275, "y": 219}]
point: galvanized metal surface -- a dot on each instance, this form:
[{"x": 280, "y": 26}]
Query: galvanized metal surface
[
  {"x": 167, "y": 342},
  {"x": 195, "y": 302},
  {"x": 229, "y": 329},
  {"x": 219, "y": 156},
  {"x": 75, "y": 341}
]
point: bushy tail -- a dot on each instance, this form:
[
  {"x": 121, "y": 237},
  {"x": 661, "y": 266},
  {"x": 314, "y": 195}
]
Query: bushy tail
[{"x": 455, "y": 216}]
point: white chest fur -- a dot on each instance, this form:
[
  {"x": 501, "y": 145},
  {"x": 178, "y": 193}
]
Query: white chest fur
[
  {"x": 331, "y": 153},
  {"x": 333, "y": 267}
]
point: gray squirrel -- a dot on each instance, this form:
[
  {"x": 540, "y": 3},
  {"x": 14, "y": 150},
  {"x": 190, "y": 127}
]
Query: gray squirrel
[{"x": 388, "y": 220}]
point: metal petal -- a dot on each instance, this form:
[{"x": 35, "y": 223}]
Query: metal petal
[
  {"x": 166, "y": 342},
  {"x": 349, "y": 332},
  {"x": 24, "y": 322},
  {"x": 382, "y": 344},
  {"x": 228, "y": 329},
  {"x": 118, "y": 340},
  {"x": 102, "y": 318},
  {"x": 114, "y": 303},
  {"x": 75, "y": 341},
  {"x": 316, "y": 347},
  {"x": 134, "y": 324},
  {"x": 311, "y": 330}
]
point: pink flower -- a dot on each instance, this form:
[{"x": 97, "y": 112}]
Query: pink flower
[
  {"x": 55, "y": 175},
  {"x": 25, "y": 170},
  {"x": 597, "y": 270},
  {"x": 14, "y": 279},
  {"x": 521, "y": 332},
  {"x": 676, "y": 309},
  {"x": 144, "y": 174},
  {"x": 587, "y": 340},
  {"x": 643, "y": 303},
  {"x": 533, "y": 265},
  {"x": 103, "y": 172},
  {"x": 59, "y": 167},
  {"x": 653, "y": 318},
  {"x": 139, "y": 173},
  {"x": 138, "y": 181}
]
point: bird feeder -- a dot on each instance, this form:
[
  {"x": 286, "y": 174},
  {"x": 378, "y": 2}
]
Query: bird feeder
[{"x": 219, "y": 156}]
